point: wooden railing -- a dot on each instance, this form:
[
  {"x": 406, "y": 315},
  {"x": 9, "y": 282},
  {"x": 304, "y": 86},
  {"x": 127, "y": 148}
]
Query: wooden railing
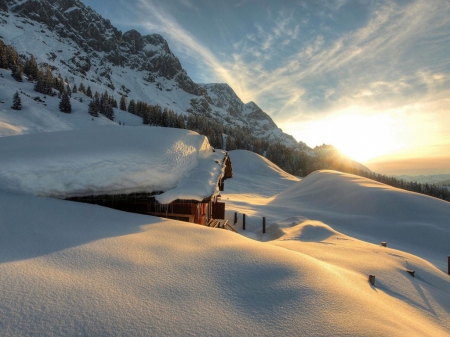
[{"x": 214, "y": 223}]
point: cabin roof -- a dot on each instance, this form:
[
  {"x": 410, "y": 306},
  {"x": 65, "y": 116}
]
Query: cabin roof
[{"x": 113, "y": 160}]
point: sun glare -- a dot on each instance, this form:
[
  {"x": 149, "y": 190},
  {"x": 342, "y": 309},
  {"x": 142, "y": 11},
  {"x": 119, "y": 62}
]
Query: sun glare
[
  {"x": 360, "y": 137},
  {"x": 363, "y": 138}
]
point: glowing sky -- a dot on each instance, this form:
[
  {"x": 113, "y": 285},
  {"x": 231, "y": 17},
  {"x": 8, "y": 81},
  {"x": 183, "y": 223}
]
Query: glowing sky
[{"x": 369, "y": 77}]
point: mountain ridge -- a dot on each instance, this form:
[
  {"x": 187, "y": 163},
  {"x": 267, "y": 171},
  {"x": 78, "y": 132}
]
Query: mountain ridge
[{"x": 103, "y": 55}]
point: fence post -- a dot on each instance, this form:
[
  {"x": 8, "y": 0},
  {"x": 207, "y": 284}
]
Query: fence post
[
  {"x": 264, "y": 224},
  {"x": 243, "y": 222},
  {"x": 235, "y": 218}
]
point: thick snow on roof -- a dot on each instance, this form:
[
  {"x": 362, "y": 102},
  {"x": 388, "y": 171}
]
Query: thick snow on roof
[{"x": 111, "y": 160}]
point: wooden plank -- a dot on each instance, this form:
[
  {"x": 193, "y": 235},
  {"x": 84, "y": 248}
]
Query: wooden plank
[{"x": 229, "y": 226}]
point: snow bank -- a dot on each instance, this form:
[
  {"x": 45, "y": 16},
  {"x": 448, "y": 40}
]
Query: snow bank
[{"x": 111, "y": 160}]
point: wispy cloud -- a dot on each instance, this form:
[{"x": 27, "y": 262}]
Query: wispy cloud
[{"x": 297, "y": 66}]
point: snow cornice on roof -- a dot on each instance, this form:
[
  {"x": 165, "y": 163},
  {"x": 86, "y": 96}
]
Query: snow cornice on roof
[{"x": 113, "y": 160}]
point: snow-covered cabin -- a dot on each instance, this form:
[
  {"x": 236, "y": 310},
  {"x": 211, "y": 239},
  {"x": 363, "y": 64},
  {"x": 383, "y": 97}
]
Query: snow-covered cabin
[{"x": 151, "y": 170}]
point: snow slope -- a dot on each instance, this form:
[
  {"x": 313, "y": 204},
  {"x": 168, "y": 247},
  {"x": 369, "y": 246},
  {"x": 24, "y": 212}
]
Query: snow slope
[
  {"x": 70, "y": 269},
  {"x": 353, "y": 205},
  {"x": 111, "y": 160},
  {"x": 257, "y": 175}
]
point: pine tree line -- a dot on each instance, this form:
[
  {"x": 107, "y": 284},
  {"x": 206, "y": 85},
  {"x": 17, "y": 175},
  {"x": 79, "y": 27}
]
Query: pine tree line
[
  {"x": 102, "y": 104},
  {"x": 43, "y": 77},
  {"x": 9, "y": 59},
  {"x": 440, "y": 192}
]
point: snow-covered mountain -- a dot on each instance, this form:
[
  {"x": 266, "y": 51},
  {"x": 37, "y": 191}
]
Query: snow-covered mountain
[{"x": 78, "y": 43}]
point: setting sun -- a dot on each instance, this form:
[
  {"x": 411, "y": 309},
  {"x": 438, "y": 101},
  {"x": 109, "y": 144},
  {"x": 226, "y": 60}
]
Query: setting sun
[
  {"x": 360, "y": 137},
  {"x": 363, "y": 138}
]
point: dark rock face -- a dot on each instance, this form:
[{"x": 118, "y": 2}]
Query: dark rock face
[
  {"x": 3, "y": 6},
  {"x": 225, "y": 97},
  {"x": 73, "y": 20}
]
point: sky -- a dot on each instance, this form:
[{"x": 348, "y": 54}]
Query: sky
[{"x": 371, "y": 78}]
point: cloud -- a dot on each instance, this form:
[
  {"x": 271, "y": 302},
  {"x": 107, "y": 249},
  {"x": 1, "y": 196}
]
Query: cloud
[{"x": 300, "y": 65}]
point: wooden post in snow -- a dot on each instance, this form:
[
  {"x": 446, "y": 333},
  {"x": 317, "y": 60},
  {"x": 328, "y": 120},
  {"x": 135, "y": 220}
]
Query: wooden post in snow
[
  {"x": 384, "y": 244},
  {"x": 264, "y": 224},
  {"x": 372, "y": 279},
  {"x": 243, "y": 222},
  {"x": 235, "y": 218}
]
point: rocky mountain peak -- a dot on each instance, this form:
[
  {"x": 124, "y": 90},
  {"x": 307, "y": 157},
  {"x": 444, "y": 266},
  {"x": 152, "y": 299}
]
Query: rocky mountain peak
[{"x": 77, "y": 42}]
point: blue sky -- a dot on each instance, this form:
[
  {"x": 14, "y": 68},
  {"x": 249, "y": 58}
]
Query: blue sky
[{"x": 370, "y": 77}]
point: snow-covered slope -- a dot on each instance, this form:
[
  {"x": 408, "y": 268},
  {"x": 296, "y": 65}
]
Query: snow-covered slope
[
  {"x": 40, "y": 113},
  {"x": 353, "y": 205},
  {"x": 81, "y": 45},
  {"x": 257, "y": 176},
  {"x": 70, "y": 269}
]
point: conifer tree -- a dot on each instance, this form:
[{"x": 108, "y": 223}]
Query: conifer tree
[
  {"x": 48, "y": 81},
  {"x": 44, "y": 82},
  {"x": 58, "y": 83},
  {"x": 31, "y": 68},
  {"x": 89, "y": 92},
  {"x": 146, "y": 118},
  {"x": 180, "y": 122},
  {"x": 64, "y": 104},
  {"x": 16, "y": 70},
  {"x": 113, "y": 102},
  {"x": 17, "y": 102},
  {"x": 108, "y": 111},
  {"x": 11, "y": 57},
  {"x": 82, "y": 88},
  {"x": 93, "y": 108},
  {"x": 132, "y": 107},
  {"x": 165, "y": 118},
  {"x": 123, "y": 103},
  {"x": 3, "y": 59},
  {"x": 74, "y": 89}
]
